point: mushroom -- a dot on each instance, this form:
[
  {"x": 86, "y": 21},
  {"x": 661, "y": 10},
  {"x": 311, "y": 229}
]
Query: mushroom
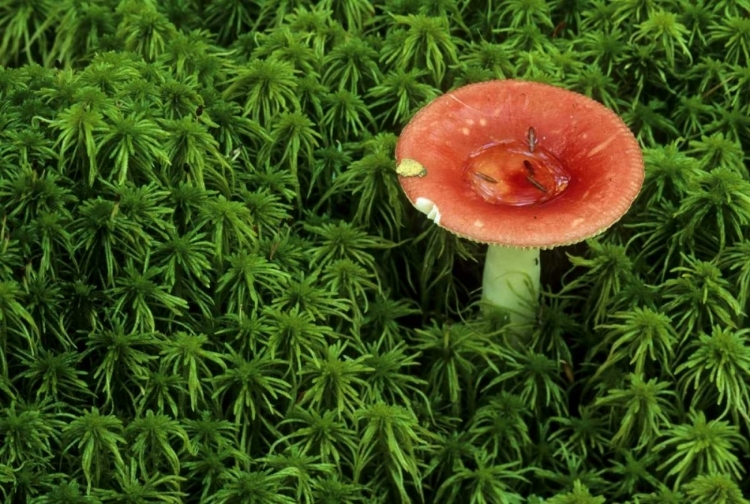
[{"x": 521, "y": 166}]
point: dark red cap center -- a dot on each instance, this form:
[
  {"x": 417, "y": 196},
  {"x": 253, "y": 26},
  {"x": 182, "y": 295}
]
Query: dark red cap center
[{"x": 511, "y": 173}]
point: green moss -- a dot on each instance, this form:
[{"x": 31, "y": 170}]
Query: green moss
[{"x": 212, "y": 289}]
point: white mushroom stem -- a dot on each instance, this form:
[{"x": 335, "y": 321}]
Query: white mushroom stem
[{"x": 511, "y": 281}]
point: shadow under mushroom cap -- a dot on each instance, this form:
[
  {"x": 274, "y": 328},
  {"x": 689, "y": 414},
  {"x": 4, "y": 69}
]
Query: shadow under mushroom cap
[{"x": 594, "y": 146}]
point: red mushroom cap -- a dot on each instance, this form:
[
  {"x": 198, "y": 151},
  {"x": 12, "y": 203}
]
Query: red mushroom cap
[{"x": 520, "y": 164}]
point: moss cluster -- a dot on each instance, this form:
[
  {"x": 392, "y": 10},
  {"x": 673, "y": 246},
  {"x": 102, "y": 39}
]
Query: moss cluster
[{"x": 212, "y": 289}]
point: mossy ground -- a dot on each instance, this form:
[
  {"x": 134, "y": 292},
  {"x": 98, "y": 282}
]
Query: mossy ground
[{"x": 213, "y": 290}]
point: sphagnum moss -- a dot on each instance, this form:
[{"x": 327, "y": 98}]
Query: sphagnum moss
[{"x": 212, "y": 290}]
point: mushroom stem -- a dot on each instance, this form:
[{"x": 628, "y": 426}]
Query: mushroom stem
[{"x": 511, "y": 281}]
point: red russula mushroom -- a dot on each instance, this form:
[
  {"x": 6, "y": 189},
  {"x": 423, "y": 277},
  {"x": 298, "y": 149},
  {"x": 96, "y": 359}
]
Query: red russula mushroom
[{"x": 521, "y": 166}]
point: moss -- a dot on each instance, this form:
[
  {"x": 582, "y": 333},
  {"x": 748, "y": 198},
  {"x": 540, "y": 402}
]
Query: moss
[{"x": 213, "y": 290}]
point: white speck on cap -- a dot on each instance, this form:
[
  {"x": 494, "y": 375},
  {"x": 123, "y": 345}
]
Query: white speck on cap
[
  {"x": 428, "y": 208},
  {"x": 599, "y": 148}
]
